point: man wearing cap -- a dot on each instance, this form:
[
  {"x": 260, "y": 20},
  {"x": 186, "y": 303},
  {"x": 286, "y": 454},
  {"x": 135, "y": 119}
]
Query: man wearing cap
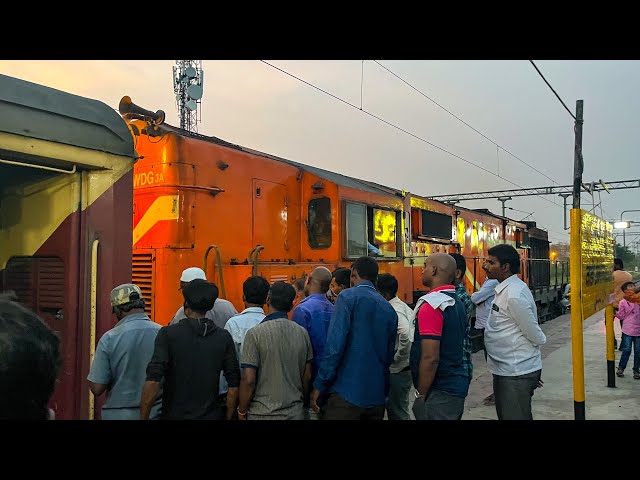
[
  {"x": 222, "y": 309},
  {"x": 121, "y": 358},
  {"x": 187, "y": 362},
  {"x": 221, "y": 312}
]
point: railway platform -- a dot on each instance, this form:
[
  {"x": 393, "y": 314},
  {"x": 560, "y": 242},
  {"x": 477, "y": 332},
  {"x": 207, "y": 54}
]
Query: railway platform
[{"x": 555, "y": 400}]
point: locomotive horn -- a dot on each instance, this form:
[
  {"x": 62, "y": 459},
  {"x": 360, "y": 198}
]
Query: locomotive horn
[{"x": 131, "y": 110}]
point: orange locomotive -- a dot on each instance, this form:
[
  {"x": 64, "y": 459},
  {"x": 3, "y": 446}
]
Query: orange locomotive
[
  {"x": 234, "y": 211},
  {"x": 68, "y": 182}
]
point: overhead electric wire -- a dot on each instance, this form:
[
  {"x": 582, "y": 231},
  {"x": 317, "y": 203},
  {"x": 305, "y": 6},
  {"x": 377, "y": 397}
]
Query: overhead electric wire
[
  {"x": 468, "y": 125},
  {"x": 563, "y": 104},
  {"x": 549, "y": 85},
  {"x": 461, "y": 120},
  {"x": 521, "y": 211},
  {"x": 399, "y": 128}
]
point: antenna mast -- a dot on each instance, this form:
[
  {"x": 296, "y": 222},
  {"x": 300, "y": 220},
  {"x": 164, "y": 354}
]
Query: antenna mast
[{"x": 188, "y": 80}]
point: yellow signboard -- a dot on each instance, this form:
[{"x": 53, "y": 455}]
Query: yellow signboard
[
  {"x": 592, "y": 245},
  {"x": 591, "y": 273}
]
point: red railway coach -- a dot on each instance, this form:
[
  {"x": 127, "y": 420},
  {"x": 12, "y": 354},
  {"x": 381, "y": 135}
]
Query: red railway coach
[{"x": 66, "y": 170}]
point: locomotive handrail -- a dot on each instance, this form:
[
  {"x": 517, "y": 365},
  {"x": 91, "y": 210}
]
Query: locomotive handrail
[
  {"x": 251, "y": 252},
  {"x": 475, "y": 279},
  {"x": 212, "y": 190},
  {"x": 253, "y": 258},
  {"x": 219, "y": 264},
  {"x": 93, "y": 315}
]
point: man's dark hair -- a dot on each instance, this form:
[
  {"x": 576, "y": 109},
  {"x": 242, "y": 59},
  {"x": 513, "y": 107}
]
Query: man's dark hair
[
  {"x": 617, "y": 262},
  {"x": 299, "y": 283},
  {"x": 200, "y": 295},
  {"x": 255, "y": 290},
  {"x": 367, "y": 268},
  {"x": 29, "y": 362},
  {"x": 282, "y": 295},
  {"x": 342, "y": 276},
  {"x": 506, "y": 254},
  {"x": 461, "y": 263},
  {"x": 387, "y": 284},
  {"x": 136, "y": 303}
]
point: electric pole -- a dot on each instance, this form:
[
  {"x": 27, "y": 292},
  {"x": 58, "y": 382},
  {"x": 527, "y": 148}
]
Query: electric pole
[
  {"x": 503, "y": 200},
  {"x": 577, "y": 341},
  {"x": 578, "y": 162}
]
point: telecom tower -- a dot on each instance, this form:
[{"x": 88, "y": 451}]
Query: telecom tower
[{"x": 188, "y": 78}]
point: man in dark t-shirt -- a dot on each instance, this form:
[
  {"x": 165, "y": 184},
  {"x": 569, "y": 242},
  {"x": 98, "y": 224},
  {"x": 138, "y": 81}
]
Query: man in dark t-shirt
[{"x": 189, "y": 357}]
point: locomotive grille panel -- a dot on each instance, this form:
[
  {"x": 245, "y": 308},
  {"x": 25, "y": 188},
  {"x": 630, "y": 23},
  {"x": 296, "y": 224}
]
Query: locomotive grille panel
[
  {"x": 278, "y": 278},
  {"x": 142, "y": 275}
]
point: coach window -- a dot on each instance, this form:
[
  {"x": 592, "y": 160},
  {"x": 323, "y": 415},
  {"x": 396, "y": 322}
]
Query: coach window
[
  {"x": 356, "y": 229},
  {"x": 319, "y": 222}
]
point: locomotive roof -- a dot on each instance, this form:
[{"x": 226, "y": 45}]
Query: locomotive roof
[
  {"x": 337, "y": 178},
  {"x": 334, "y": 177},
  {"x": 32, "y": 110}
]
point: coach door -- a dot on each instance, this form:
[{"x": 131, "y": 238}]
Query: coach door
[
  {"x": 38, "y": 283},
  {"x": 270, "y": 220}
]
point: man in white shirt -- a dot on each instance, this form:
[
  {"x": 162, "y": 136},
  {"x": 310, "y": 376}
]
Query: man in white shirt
[
  {"x": 254, "y": 294},
  {"x": 400, "y": 378},
  {"x": 483, "y": 299},
  {"x": 512, "y": 337},
  {"x": 222, "y": 309}
]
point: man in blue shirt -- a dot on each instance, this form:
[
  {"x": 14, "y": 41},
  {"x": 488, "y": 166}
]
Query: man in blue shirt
[
  {"x": 360, "y": 347},
  {"x": 120, "y": 362},
  {"x": 314, "y": 314}
]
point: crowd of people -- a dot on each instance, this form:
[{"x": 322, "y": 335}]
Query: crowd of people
[{"x": 334, "y": 345}]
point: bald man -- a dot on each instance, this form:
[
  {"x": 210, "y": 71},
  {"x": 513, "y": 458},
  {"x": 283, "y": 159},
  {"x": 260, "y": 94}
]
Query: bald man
[
  {"x": 313, "y": 313},
  {"x": 440, "y": 364}
]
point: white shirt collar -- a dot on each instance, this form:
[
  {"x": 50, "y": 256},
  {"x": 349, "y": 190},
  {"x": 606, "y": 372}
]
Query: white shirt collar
[{"x": 506, "y": 282}]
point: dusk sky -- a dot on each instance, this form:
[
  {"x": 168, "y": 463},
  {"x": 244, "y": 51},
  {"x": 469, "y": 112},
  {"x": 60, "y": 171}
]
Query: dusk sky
[{"x": 254, "y": 105}]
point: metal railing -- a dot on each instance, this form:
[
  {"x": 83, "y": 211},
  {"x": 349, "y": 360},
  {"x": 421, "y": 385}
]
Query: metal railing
[{"x": 539, "y": 272}]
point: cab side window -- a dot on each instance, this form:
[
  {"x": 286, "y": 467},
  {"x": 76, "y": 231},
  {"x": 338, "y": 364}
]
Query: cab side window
[{"x": 319, "y": 222}]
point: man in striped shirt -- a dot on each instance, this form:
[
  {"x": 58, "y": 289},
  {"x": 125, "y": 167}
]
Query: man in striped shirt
[
  {"x": 276, "y": 363},
  {"x": 465, "y": 298}
]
